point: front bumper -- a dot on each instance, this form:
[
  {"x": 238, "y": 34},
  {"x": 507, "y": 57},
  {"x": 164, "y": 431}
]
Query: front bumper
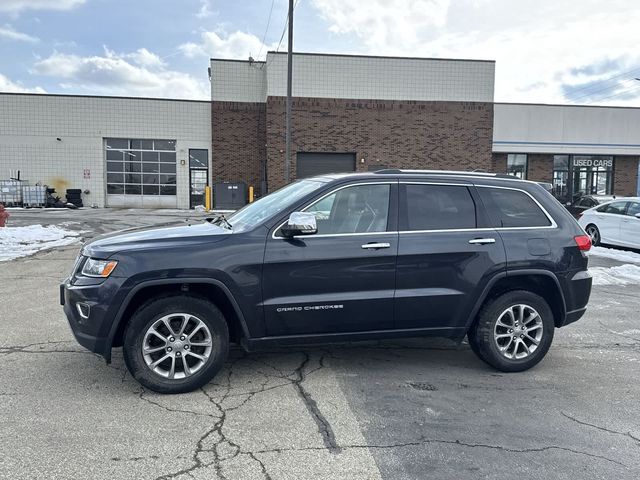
[{"x": 87, "y": 310}]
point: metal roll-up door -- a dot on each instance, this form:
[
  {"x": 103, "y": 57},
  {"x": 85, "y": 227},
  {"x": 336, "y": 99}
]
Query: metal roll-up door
[{"x": 319, "y": 163}]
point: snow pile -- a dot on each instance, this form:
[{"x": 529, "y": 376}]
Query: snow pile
[
  {"x": 622, "y": 275},
  {"x": 16, "y": 242},
  {"x": 619, "y": 255}
]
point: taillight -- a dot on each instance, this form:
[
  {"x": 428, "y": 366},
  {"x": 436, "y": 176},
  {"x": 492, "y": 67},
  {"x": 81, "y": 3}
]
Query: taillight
[{"x": 583, "y": 242}]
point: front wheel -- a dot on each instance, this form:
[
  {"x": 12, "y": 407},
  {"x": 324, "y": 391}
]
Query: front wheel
[
  {"x": 514, "y": 331},
  {"x": 176, "y": 344}
]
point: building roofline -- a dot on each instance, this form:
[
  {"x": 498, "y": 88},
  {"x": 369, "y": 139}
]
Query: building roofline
[
  {"x": 563, "y": 105},
  {"x": 213, "y": 59},
  {"x": 312, "y": 54},
  {"x": 29, "y": 94}
]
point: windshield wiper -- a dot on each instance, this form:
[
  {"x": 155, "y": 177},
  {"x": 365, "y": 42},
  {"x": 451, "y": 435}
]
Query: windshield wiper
[{"x": 220, "y": 218}]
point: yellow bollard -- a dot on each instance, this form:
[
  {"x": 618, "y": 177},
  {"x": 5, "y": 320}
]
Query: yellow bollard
[
  {"x": 250, "y": 194},
  {"x": 207, "y": 198}
]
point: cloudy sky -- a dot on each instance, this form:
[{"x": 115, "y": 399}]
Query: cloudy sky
[{"x": 550, "y": 51}]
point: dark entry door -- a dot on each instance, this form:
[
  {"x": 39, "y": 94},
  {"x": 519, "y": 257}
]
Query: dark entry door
[
  {"x": 198, "y": 176},
  {"x": 318, "y": 163},
  {"x": 341, "y": 279}
]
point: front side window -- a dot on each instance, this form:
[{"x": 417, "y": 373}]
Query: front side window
[
  {"x": 355, "y": 209},
  {"x": 517, "y": 165},
  {"x": 512, "y": 208},
  {"x": 436, "y": 207},
  {"x": 254, "y": 213},
  {"x": 615, "y": 208}
]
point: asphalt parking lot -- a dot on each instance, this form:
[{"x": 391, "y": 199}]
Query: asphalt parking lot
[{"x": 409, "y": 409}]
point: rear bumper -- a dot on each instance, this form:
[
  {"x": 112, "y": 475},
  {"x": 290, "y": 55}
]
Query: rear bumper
[{"x": 577, "y": 290}]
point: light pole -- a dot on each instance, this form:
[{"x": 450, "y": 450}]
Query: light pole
[{"x": 287, "y": 158}]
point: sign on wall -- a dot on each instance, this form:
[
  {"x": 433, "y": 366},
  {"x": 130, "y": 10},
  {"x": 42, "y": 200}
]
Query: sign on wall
[
  {"x": 86, "y": 173},
  {"x": 592, "y": 162}
]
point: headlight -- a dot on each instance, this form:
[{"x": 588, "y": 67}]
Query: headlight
[{"x": 98, "y": 268}]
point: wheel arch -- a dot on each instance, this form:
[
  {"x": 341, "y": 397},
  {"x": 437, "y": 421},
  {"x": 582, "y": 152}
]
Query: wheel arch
[
  {"x": 207, "y": 288},
  {"x": 540, "y": 282}
]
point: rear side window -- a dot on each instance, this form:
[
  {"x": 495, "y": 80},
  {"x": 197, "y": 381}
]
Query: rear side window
[
  {"x": 436, "y": 207},
  {"x": 512, "y": 208},
  {"x": 617, "y": 208},
  {"x": 634, "y": 209}
]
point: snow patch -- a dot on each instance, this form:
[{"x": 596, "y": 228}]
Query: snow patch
[
  {"x": 619, "y": 255},
  {"x": 621, "y": 275},
  {"x": 17, "y": 242}
]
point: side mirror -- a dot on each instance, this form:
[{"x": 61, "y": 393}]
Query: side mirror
[{"x": 300, "y": 223}]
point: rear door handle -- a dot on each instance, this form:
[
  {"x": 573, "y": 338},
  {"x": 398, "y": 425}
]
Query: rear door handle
[
  {"x": 482, "y": 241},
  {"x": 375, "y": 246}
]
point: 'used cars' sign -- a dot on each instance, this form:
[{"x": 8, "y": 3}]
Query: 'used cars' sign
[{"x": 592, "y": 162}]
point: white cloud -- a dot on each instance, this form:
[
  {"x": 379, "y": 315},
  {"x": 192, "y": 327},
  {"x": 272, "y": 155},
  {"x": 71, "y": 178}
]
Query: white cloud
[
  {"x": 7, "y": 85},
  {"x": 237, "y": 45},
  {"x": 205, "y": 9},
  {"x": 537, "y": 46},
  {"x": 19, "y": 5},
  {"x": 9, "y": 33},
  {"x": 141, "y": 73}
]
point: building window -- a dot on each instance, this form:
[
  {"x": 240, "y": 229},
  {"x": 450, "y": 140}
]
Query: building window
[
  {"x": 561, "y": 177},
  {"x": 140, "y": 167},
  {"x": 517, "y": 165}
]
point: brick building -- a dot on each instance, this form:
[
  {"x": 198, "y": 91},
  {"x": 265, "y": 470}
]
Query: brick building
[{"x": 350, "y": 113}]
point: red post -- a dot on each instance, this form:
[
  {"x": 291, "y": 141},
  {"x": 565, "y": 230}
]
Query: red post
[{"x": 3, "y": 216}]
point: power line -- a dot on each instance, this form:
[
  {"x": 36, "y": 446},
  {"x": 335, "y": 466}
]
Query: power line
[
  {"x": 587, "y": 94},
  {"x": 286, "y": 24},
  {"x": 264, "y": 37},
  {"x": 623, "y": 92}
]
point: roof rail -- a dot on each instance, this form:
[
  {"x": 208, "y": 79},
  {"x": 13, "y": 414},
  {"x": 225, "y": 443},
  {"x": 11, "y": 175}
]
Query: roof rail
[{"x": 397, "y": 171}]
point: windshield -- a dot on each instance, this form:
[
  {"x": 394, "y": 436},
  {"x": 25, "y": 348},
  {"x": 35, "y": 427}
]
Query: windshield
[{"x": 254, "y": 213}]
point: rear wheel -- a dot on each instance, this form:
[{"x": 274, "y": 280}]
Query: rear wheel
[
  {"x": 176, "y": 344},
  {"x": 513, "y": 332},
  {"x": 594, "y": 233}
]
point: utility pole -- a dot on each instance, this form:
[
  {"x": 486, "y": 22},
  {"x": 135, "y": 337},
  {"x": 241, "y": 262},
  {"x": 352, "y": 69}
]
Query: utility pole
[{"x": 287, "y": 159}]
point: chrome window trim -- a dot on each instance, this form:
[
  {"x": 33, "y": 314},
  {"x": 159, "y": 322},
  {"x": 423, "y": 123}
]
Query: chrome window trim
[{"x": 325, "y": 235}]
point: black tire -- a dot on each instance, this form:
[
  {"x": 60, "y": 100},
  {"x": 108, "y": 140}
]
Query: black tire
[
  {"x": 481, "y": 334},
  {"x": 594, "y": 233},
  {"x": 151, "y": 312}
]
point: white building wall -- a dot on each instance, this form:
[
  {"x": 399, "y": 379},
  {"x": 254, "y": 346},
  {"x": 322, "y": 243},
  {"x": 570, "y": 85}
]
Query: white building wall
[
  {"x": 526, "y": 128},
  {"x": 31, "y": 124},
  {"x": 354, "y": 77},
  {"x": 382, "y": 78}
]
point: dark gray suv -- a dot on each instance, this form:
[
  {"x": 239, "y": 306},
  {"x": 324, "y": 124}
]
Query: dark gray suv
[{"x": 337, "y": 258}]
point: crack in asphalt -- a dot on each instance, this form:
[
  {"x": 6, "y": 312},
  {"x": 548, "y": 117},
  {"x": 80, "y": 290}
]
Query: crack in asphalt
[
  {"x": 8, "y": 350},
  {"x": 604, "y": 429},
  {"x": 300, "y": 374},
  {"x": 324, "y": 427},
  {"x": 426, "y": 441}
]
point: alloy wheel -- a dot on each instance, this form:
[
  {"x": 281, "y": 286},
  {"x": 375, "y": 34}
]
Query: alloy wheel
[
  {"x": 518, "y": 331},
  {"x": 592, "y": 231},
  {"x": 177, "y": 346}
]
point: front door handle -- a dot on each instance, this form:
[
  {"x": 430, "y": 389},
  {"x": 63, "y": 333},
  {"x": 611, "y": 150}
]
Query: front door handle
[
  {"x": 482, "y": 241},
  {"x": 375, "y": 246}
]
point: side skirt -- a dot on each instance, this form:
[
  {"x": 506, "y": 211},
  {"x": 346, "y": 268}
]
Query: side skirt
[{"x": 253, "y": 344}]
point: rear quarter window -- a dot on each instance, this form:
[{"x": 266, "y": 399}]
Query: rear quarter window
[{"x": 512, "y": 208}]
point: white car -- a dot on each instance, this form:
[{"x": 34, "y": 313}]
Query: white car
[{"x": 614, "y": 223}]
